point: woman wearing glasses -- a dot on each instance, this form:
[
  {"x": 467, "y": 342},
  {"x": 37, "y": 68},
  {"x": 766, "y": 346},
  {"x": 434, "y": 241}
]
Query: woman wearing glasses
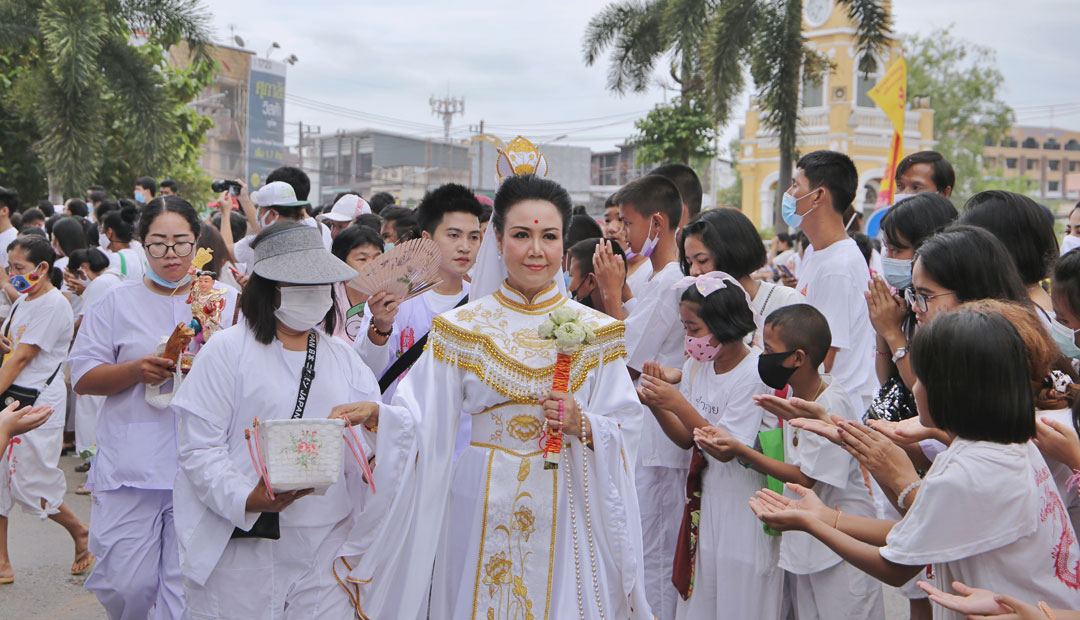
[{"x": 115, "y": 355}]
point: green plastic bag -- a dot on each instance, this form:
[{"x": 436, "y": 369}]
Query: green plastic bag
[{"x": 772, "y": 446}]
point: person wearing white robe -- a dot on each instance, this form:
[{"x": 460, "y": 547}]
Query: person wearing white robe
[
  {"x": 237, "y": 377},
  {"x": 39, "y": 329},
  {"x": 509, "y": 538},
  {"x": 116, "y": 355}
]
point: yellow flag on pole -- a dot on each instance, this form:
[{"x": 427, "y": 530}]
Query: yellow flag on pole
[{"x": 890, "y": 94}]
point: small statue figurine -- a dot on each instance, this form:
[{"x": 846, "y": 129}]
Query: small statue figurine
[{"x": 206, "y": 299}]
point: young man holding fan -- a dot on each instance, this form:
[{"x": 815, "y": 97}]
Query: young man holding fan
[{"x": 395, "y": 334}]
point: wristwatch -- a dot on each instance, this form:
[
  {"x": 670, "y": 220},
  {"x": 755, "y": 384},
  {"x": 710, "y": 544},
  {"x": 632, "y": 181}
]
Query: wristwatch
[{"x": 901, "y": 353}]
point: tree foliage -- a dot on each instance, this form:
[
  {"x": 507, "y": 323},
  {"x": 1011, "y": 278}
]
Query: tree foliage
[
  {"x": 964, "y": 85},
  {"x": 712, "y": 45},
  {"x": 679, "y": 131},
  {"x": 91, "y": 102}
]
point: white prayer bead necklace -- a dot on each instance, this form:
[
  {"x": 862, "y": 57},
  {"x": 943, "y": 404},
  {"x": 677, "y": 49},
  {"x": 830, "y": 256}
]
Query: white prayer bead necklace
[{"x": 588, "y": 523}]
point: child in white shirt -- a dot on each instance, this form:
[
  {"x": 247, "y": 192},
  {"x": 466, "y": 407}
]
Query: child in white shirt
[
  {"x": 723, "y": 559},
  {"x": 822, "y": 585},
  {"x": 988, "y": 511}
]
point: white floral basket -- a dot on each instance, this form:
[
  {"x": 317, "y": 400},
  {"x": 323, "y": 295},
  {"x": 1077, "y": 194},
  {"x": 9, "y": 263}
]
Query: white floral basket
[{"x": 302, "y": 454}]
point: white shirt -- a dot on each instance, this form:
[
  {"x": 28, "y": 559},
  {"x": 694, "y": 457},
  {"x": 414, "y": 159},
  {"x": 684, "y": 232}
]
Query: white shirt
[
  {"x": 654, "y": 331},
  {"x": 640, "y": 278},
  {"x": 412, "y": 322},
  {"x": 97, "y": 288},
  {"x": 327, "y": 238},
  {"x": 834, "y": 281},
  {"x": 726, "y": 400},
  {"x": 47, "y": 323},
  {"x": 126, "y": 262},
  {"x": 6, "y": 238},
  {"x": 136, "y": 442},
  {"x": 74, "y": 300},
  {"x": 989, "y": 515},
  {"x": 769, "y": 297},
  {"x": 245, "y": 256},
  {"x": 839, "y": 483},
  {"x": 234, "y": 378}
]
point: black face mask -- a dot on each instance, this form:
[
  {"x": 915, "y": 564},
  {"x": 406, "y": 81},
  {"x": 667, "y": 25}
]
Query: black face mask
[
  {"x": 576, "y": 295},
  {"x": 772, "y": 371}
]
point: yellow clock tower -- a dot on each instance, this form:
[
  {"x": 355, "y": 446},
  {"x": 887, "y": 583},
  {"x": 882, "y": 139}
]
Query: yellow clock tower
[{"x": 836, "y": 114}]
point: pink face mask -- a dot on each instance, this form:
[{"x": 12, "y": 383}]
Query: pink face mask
[{"x": 700, "y": 348}]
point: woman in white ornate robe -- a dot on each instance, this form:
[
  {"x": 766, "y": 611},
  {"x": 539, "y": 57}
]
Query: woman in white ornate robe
[{"x": 508, "y": 538}]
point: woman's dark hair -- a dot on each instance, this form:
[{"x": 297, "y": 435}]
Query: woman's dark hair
[
  {"x": 122, "y": 222},
  {"x": 725, "y": 312},
  {"x": 92, "y": 257},
  {"x": 170, "y": 204},
  {"x": 109, "y": 205},
  {"x": 1067, "y": 279},
  {"x": 237, "y": 223},
  {"x": 39, "y": 250},
  {"x": 368, "y": 220},
  {"x": 581, "y": 227},
  {"x": 210, "y": 238},
  {"x": 913, "y": 220},
  {"x": 863, "y": 243},
  {"x": 973, "y": 263},
  {"x": 346, "y": 241},
  {"x": 259, "y": 299},
  {"x": 973, "y": 366},
  {"x": 353, "y": 237},
  {"x": 530, "y": 187},
  {"x": 731, "y": 238},
  {"x": 69, "y": 234},
  {"x": 1021, "y": 224}
]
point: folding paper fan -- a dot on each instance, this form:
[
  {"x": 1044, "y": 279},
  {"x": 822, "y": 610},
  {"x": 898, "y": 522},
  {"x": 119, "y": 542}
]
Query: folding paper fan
[{"x": 407, "y": 270}]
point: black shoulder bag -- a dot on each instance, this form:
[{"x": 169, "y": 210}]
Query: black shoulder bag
[
  {"x": 408, "y": 358},
  {"x": 26, "y": 396},
  {"x": 268, "y": 523}
]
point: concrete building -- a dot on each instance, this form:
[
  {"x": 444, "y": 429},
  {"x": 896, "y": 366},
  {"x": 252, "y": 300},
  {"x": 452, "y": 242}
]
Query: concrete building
[
  {"x": 1048, "y": 158},
  {"x": 226, "y": 103},
  {"x": 369, "y": 161},
  {"x": 837, "y": 114},
  {"x": 610, "y": 170}
]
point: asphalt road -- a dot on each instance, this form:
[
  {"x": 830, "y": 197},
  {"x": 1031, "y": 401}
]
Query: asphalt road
[{"x": 41, "y": 555}]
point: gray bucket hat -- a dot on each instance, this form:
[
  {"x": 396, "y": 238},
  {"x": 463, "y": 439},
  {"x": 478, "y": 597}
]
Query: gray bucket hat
[{"x": 296, "y": 255}]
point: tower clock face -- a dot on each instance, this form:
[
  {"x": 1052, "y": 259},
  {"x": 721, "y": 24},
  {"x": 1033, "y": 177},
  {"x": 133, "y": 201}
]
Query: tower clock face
[{"x": 817, "y": 12}]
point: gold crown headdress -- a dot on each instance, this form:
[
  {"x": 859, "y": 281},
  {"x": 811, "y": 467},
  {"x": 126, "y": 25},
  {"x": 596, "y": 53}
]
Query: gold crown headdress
[
  {"x": 203, "y": 256},
  {"x": 519, "y": 158}
]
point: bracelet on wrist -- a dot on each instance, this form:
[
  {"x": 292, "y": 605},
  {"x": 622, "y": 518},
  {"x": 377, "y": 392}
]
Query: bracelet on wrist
[
  {"x": 1043, "y": 607},
  {"x": 903, "y": 494},
  {"x": 375, "y": 330}
]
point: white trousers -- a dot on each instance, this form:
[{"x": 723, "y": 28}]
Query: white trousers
[
  {"x": 137, "y": 575},
  {"x": 840, "y": 592},
  {"x": 661, "y": 496},
  {"x": 288, "y": 578},
  {"x": 30, "y": 473}
]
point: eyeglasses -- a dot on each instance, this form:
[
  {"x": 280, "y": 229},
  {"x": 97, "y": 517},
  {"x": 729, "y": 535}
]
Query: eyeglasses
[
  {"x": 918, "y": 300},
  {"x": 159, "y": 249}
]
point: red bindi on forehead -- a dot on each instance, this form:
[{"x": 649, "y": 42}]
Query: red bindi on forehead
[{"x": 536, "y": 221}]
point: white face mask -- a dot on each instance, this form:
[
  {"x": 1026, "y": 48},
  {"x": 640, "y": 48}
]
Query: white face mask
[
  {"x": 264, "y": 219},
  {"x": 303, "y": 307}
]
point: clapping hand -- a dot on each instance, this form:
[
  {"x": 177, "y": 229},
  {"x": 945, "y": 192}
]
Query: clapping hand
[
  {"x": 718, "y": 443},
  {"x": 791, "y": 408},
  {"x": 655, "y": 390},
  {"x": 909, "y": 431},
  {"x": 783, "y": 513},
  {"x": 978, "y": 603},
  {"x": 829, "y": 430},
  {"x": 16, "y": 421},
  {"x": 885, "y": 460}
]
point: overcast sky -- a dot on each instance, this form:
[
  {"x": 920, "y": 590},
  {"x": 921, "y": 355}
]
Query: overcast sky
[{"x": 519, "y": 66}]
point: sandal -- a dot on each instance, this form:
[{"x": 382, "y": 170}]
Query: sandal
[{"x": 82, "y": 557}]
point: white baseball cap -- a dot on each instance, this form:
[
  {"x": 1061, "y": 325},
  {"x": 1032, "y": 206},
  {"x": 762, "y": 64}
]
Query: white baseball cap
[
  {"x": 278, "y": 194},
  {"x": 346, "y": 209}
]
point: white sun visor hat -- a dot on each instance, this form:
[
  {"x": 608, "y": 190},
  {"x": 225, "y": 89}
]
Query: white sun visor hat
[
  {"x": 278, "y": 194},
  {"x": 346, "y": 209}
]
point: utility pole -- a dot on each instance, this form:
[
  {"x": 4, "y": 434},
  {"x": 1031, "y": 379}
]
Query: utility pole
[
  {"x": 446, "y": 108},
  {"x": 480, "y": 162}
]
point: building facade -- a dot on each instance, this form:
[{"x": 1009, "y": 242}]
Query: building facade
[
  {"x": 1047, "y": 159},
  {"x": 836, "y": 114},
  {"x": 369, "y": 161}
]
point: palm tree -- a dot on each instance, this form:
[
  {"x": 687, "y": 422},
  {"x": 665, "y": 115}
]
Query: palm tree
[
  {"x": 712, "y": 43},
  {"x": 82, "y": 76}
]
